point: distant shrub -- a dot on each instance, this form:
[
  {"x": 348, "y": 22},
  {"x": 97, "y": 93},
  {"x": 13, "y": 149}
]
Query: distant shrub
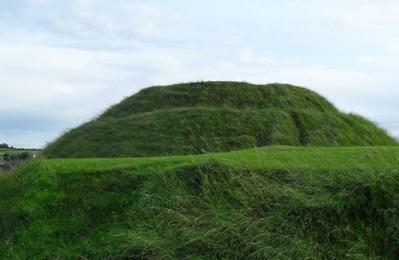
[
  {"x": 6, "y": 157},
  {"x": 24, "y": 156},
  {"x": 4, "y": 146}
]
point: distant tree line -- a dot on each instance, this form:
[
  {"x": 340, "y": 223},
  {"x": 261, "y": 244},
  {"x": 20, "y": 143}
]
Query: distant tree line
[{"x": 6, "y": 146}]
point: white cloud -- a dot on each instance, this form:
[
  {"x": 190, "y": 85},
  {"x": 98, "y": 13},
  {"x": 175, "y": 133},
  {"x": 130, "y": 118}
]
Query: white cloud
[
  {"x": 39, "y": 2},
  {"x": 122, "y": 19},
  {"x": 377, "y": 16}
]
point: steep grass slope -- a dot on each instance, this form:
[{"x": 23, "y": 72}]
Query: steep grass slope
[
  {"x": 215, "y": 116},
  {"x": 265, "y": 203}
]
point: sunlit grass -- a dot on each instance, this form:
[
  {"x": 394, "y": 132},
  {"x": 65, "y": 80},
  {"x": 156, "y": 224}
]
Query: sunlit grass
[{"x": 274, "y": 202}]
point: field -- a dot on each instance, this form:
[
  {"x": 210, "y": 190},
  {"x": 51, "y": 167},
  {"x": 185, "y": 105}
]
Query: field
[
  {"x": 3, "y": 151},
  {"x": 275, "y": 202},
  {"x": 15, "y": 151}
]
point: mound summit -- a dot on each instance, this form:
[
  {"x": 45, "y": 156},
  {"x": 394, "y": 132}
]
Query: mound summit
[{"x": 203, "y": 117}]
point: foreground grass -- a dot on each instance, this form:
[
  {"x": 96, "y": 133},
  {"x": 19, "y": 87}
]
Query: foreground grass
[{"x": 276, "y": 202}]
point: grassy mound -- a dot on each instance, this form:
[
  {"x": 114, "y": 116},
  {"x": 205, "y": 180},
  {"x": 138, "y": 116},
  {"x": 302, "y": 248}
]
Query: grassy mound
[
  {"x": 215, "y": 116},
  {"x": 266, "y": 203}
]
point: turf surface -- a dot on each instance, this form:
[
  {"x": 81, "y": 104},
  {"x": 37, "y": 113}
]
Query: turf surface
[{"x": 275, "y": 202}]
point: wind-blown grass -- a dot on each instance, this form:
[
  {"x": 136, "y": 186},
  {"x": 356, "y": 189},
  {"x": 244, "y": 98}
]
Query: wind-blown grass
[{"x": 275, "y": 203}]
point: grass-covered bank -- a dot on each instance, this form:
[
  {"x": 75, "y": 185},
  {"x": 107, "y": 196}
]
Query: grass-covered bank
[{"x": 276, "y": 202}]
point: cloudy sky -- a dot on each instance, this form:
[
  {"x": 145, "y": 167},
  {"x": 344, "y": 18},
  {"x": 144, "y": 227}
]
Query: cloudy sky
[{"x": 62, "y": 62}]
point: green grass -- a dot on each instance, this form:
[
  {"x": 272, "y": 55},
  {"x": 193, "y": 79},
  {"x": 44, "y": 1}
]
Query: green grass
[
  {"x": 274, "y": 202},
  {"x": 214, "y": 117}
]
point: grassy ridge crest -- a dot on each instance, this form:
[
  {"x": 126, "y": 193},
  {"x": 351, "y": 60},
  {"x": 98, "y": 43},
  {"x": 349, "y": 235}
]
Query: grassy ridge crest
[{"x": 276, "y": 202}]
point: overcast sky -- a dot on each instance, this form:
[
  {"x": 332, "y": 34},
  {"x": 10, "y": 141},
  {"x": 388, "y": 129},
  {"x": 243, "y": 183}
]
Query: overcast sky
[{"x": 62, "y": 62}]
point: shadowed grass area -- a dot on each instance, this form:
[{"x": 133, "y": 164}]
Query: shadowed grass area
[
  {"x": 205, "y": 117},
  {"x": 274, "y": 202}
]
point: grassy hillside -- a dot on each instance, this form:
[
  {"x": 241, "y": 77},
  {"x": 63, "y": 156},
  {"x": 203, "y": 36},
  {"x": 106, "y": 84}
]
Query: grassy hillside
[
  {"x": 212, "y": 117},
  {"x": 276, "y": 203}
]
